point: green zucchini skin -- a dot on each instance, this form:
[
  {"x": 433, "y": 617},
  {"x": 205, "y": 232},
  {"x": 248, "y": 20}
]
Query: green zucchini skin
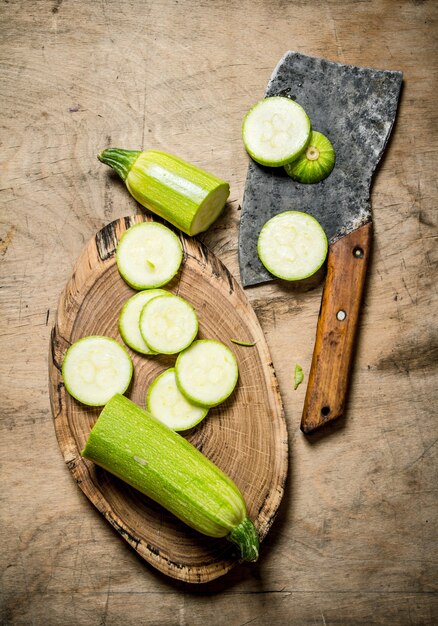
[
  {"x": 120, "y": 160},
  {"x": 142, "y": 451},
  {"x": 183, "y": 194}
]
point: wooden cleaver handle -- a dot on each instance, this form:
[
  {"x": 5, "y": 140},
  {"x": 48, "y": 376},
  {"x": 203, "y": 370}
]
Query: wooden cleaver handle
[{"x": 337, "y": 323}]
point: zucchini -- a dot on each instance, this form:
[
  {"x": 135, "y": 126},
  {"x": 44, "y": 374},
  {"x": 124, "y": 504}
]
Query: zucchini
[
  {"x": 206, "y": 372},
  {"x": 183, "y": 194},
  {"x": 166, "y": 402},
  {"x": 168, "y": 324},
  {"x": 95, "y": 368},
  {"x": 142, "y": 451},
  {"x": 292, "y": 245},
  {"x": 276, "y": 131},
  {"x": 129, "y": 319},
  {"x": 148, "y": 255},
  {"x": 315, "y": 163}
]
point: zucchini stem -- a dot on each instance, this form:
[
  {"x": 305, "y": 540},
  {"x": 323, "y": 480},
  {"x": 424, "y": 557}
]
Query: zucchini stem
[
  {"x": 312, "y": 153},
  {"x": 246, "y": 538},
  {"x": 120, "y": 160}
]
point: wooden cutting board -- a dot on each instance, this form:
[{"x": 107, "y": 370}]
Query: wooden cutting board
[{"x": 245, "y": 436}]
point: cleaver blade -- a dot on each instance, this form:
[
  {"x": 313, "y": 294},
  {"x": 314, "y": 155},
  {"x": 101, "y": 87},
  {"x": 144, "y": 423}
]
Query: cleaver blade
[{"x": 355, "y": 107}]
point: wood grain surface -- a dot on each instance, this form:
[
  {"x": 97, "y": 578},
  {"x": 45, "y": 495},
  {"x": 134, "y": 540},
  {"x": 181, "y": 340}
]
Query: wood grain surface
[
  {"x": 355, "y": 540},
  {"x": 245, "y": 436}
]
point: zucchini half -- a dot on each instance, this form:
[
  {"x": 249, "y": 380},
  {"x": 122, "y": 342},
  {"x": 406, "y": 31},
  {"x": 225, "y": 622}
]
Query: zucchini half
[{"x": 183, "y": 194}]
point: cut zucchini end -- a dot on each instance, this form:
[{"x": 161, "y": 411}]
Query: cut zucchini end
[
  {"x": 165, "y": 401},
  {"x": 315, "y": 163},
  {"x": 246, "y": 538},
  {"x": 292, "y": 245},
  {"x": 95, "y": 368},
  {"x": 206, "y": 372},
  {"x": 168, "y": 324},
  {"x": 129, "y": 320},
  {"x": 148, "y": 255},
  {"x": 210, "y": 209},
  {"x": 276, "y": 131}
]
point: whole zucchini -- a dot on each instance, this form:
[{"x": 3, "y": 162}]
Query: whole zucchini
[
  {"x": 136, "y": 447},
  {"x": 183, "y": 194}
]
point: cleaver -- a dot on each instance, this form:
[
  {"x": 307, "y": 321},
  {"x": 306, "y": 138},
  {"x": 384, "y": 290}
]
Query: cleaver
[{"x": 355, "y": 107}]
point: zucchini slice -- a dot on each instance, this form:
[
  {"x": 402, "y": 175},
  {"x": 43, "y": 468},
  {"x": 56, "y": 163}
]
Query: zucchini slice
[
  {"x": 166, "y": 402},
  {"x": 129, "y": 319},
  {"x": 276, "y": 131},
  {"x": 207, "y": 372},
  {"x": 168, "y": 324},
  {"x": 148, "y": 255},
  {"x": 292, "y": 245},
  {"x": 95, "y": 368},
  {"x": 139, "y": 449}
]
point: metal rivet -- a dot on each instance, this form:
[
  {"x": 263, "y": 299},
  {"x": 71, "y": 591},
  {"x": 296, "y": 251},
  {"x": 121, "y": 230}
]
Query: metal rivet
[
  {"x": 341, "y": 315},
  {"x": 358, "y": 252}
]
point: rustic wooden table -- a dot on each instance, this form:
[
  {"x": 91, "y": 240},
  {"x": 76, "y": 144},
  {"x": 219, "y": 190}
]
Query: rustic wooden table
[{"x": 355, "y": 538}]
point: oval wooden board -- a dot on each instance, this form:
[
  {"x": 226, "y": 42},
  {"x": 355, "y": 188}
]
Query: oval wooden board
[{"x": 245, "y": 436}]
